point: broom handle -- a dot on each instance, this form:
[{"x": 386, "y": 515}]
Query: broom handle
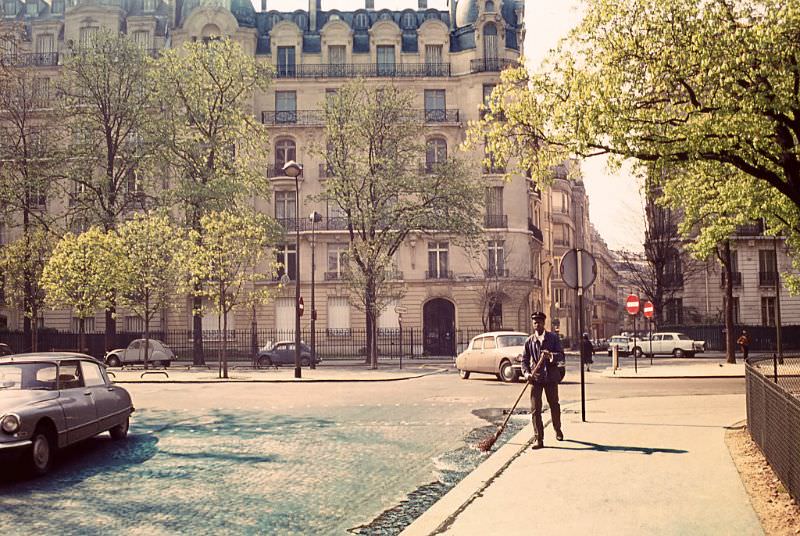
[{"x": 538, "y": 364}]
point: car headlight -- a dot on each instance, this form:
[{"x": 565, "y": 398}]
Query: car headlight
[{"x": 10, "y": 424}]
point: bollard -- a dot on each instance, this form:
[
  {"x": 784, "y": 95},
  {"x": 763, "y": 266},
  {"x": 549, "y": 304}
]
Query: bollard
[
  {"x": 775, "y": 366},
  {"x": 614, "y": 359}
]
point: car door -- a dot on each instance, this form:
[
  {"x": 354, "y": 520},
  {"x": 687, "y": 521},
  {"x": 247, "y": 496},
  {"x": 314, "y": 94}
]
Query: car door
[
  {"x": 77, "y": 402},
  {"x": 668, "y": 343},
  {"x": 282, "y": 352},
  {"x": 110, "y": 403},
  {"x": 131, "y": 354},
  {"x": 655, "y": 344},
  {"x": 487, "y": 355}
]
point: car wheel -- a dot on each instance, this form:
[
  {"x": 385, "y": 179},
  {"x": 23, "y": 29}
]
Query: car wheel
[
  {"x": 165, "y": 364},
  {"x": 677, "y": 352},
  {"x": 113, "y": 361},
  {"x": 464, "y": 374},
  {"x": 637, "y": 352},
  {"x": 304, "y": 362},
  {"x": 120, "y": 431},
  {"x": 42, "y": 451},
  {"x": 507, "y": 372},
  {"x": 264, "y": 361}
]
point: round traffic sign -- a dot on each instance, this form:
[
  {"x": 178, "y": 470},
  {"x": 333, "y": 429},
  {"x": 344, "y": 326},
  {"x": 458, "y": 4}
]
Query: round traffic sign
[
  {"x": 578, "y": 268},
  {"x": 632, "y": 304},
  {"x": 647, "y": 310}
]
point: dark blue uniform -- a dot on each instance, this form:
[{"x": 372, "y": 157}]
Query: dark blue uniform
[{"x": 546, "y": 379}]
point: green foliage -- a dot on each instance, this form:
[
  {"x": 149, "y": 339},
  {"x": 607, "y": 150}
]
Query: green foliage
[
  {"x": 707, "y": 86},
  {"x": 80, "y": 273},
  {"x": 22, "y": 263}
]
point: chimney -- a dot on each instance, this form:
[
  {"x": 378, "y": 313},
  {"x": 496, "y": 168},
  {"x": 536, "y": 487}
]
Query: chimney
[
  {"x": 423, "y": 4},
  {"x": 313, "y": 7},
  {"x": 452, "y": 14},
  {"x": 263, "y": 5},
  {"x": 369, "y": 4}
]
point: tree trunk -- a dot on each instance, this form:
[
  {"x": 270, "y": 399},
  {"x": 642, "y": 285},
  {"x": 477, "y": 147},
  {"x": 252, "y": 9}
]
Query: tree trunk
[
  {"x": 27, "y": 337},
  {"x": 111, "y": 326},
  {"x": 34, "y": 328},
  {"x": 224, "y": 344},
  {"x": 198, "y": 357},
  {"x": 81, "y": 335},
  {"x": 730, "y": 335}
]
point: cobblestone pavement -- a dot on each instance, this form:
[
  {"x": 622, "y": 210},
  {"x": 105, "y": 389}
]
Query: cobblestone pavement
[{"x": 312, "y": 468}]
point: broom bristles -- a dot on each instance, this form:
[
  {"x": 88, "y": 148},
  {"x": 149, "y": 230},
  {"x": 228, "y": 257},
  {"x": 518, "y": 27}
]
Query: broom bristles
[{"x": 487, "y": 444}]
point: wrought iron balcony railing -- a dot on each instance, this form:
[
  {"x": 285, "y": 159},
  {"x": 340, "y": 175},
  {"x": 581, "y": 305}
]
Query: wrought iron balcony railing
[
  {"x": 495, "y": 272},
  {"x": 304, "y": 224},
  {"x": 491, "y": 64},
  {"x": 737, "y": 279},
  {"x": 366, "y": 70},
  {"x": 317, "y": 117},
  {"x": 31, "y": 59},
  {"x": 767, "y": 279},
  {"x": 438, "y": 274},
  {"x": 495, "y": 221},
  {"x": 333, "y": 276},
  {"x": 533, "y": 229}
]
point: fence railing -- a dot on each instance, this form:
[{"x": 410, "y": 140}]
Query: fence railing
[
  {"x": 353, "y": 70},
  {"x": 331, "y": 344},
  {"x": 773, "y": 414},
  {"x": 762, "y": 338}
]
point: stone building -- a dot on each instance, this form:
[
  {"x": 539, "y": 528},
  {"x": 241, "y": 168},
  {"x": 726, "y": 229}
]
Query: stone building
[{"x": 450, "y": 59}]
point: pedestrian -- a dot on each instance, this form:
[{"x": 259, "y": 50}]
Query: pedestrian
[
  {"x": 586, "y": 351},
  {"x": 744, "y": 342},
  {"x": 545, "y": 346}
]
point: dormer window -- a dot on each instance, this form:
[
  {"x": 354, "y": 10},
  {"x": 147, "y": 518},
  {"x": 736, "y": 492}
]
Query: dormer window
[
  {"x": 360, "y": 21},
  {"x": 33, "y": 9},
  {"x": 489, "y": 6},
  {"x": 58, "y": 6},
  {"x": 148, "y": 5},
  {"x": 408, "y": 21},
  {"x": 301, "y": 21},
  {"x": 10, "y": 8}
]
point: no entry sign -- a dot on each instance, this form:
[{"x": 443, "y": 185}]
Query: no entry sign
[
  {"x": 632, "y": 304},
  {"x": 648, "y": 309}
]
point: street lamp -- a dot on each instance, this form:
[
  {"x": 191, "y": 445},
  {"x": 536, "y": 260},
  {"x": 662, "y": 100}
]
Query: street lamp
[
  {"x": 315, "y": 217},
  {"x": 293, "y": 169}
]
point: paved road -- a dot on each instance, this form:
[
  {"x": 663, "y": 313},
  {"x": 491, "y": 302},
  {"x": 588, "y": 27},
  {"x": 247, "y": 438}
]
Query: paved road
[{"x": 284, "y": 458}]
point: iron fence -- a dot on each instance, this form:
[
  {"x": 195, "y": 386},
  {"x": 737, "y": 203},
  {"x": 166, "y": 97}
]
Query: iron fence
[
  {"x": 242, "y": 345},
  {"x": 773, "y": 414},
  {"x": 762, "y": 338}
]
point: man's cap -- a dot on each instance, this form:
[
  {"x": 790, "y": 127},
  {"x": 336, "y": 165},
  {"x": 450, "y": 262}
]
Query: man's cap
[{"x": 538, "y": 316}]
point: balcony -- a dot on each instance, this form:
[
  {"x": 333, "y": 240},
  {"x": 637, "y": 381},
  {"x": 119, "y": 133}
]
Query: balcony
[
  {"x": 31, "y": 59},
  {"x": 294, "y": 117},
  {"x": 561, "y": 242},
  {"x": 494, "y": 169},
  {"x": 533, "y": 229},
  {"x": 495, "y": 273},
  {"x": 750, "y": 229},
  {"x": 365, "y": 70},
  {"x": 767, "y": 279},
  {"x": 439, "y": 116},
  {"x": 438, "y": 274},
  {"x": 394, "y": 275},
  {"x": 737, "y": 279},
  {"x": 276, "y": 171},
  {"x": 673, "y": 280},
  {"x": 495, "y": 221},
  {"x": 484, "y": 65},
  {"x": 304, "y": 224},
  {"x": 333, "y": 276}
]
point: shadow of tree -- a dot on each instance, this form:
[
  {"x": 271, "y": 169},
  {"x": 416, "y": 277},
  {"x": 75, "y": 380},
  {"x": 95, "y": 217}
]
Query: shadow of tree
[{"x": 587, "y": 445}]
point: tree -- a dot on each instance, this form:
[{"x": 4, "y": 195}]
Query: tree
[
  {"x": 374, "y": 153},
  {"x": 225, "y": 264},
  {"x": 708, "y": 86},
  {"x": 22, "y": 263},
  {"x": 214, "y": 146},
  {"x": 106, "y": 109},
  {"x": 80, "y": 275},
  {"x": 147, "y": 268}
]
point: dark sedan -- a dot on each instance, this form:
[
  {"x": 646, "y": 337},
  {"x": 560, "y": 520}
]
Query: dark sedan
[{"x": 282, "y": 353}]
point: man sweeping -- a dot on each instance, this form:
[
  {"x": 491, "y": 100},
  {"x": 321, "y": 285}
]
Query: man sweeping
[{"x": 544, "y": 345}]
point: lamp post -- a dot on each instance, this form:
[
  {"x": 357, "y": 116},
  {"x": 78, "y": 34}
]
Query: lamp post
[
  {"x": 293, "y": 169},
  {"x": 315, "y": 217}
]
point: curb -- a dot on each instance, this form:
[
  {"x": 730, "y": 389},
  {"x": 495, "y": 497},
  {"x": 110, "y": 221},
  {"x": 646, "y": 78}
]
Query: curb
[{"x": 224, "y": 381}]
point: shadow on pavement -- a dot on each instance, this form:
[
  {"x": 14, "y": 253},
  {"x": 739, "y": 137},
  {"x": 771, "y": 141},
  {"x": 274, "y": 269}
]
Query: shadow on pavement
[{"x": 618, "y": 448}]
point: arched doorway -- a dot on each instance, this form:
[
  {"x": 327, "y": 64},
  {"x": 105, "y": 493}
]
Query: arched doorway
[{"x": 439, "y": 327}]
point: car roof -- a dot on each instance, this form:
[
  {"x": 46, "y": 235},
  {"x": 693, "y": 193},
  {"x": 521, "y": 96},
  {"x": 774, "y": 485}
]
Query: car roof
[
  {"x": 287, "y": 342},
  {"x": 46, "y": 356},
  {"x": 496, "y": 333},
  {"x": 148, "y": 340}
]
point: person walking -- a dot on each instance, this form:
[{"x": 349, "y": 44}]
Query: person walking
[
  {"x": 543, "y": 346},
  {"x": 587, "y": 350},
  {"x": 744, "y": 342}
]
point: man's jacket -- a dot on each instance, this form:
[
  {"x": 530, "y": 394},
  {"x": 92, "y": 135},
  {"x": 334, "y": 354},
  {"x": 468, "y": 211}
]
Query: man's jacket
[{"x": 550, "y": 371}]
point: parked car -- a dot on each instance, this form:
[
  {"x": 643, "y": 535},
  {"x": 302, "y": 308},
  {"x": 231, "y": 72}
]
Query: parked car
[
  {"x": 495, "y": 352},
  {"x": 50, "y": 400},
  {"x": 600, "y": 345},
  {"x": 670, "y": 343},
  {"x": 158, "y": 353},
  {"x": 5, "y": 349},
  {"x": 282, "y": 353},
  {"x": 622, "y": 343}
]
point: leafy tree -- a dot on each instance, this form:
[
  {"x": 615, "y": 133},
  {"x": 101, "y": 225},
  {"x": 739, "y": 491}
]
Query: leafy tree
[
  {"x": 225, "y": 264},
  {"x": 374, "y": 153},
  {"x": 709, "y": 86},
  {"x": 106, "y": 109},
  {"x": 22, "y": 263},
  {"x": 147, "y": 268},
  {"x": 80, "y": 275},
  {"x": 213, "y": 144}
]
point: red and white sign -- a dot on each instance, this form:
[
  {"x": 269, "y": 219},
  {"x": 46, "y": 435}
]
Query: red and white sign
[
  {"x": 648, "y": 309},
  {"x": 632, "y": 304}
]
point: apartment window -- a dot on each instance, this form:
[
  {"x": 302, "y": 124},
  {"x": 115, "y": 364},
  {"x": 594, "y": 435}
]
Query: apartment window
[
  {"x": 33, "y": 8},
  {"x": 337, "y": 261},
  {"x": 360, "y": 21},
  {"x": 674, "y": 311},
  {"x": 285, "y": 106},
  {"x": 389, "y": 319},
  {"x": 142, "y": 39},
  {"x": 438, "y": 260},
  {"x": 87, "y": 36},
  {"x": 337, "y": 54},
  {"x": 10, "y": 7},
  {"x": 487, "y": 94},
  {"x": 286, "y": 65},
  {"x": 338, "y": 315},
  {"x": 435, "y": 106},
  {"x": 560, "y": 297},
  {"x": 285, "y": 205},
  {"x": 286, "y": 257},
  {"x": 490, "y": 41},
  {"x": 494, "y": 200},
  {"x": 563, "y": 203},
  {"x": 284, "y": 317},
  {"x": 41, "y": 94},
  {"x": 335, "y": 211},
  {"x": 767, "y": 267},
  {"x": 434, "y": 60},
  {"x": 45, "y": 44},
  {"x": 735, "y": 303},
  {"x": 58, "y": 6},
  {"x": 134, "y": 324},
  {"x": 496, "y": 258},
  {"x": 496, "y": 316},
  {"x": 88, "y": 324},
  {"x": 768, "y": 311},
  {"x": 302, "y": 21},
  {"x": 386, "y": 60},
  {"x": 492, "y": 166},
  {"x": 285, "y": 151},
  {"x": 149, "y": 5},
  {"x": 435, "y": 153}
]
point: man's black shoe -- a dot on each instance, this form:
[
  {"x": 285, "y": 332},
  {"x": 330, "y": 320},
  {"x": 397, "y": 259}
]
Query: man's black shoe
[
  {"x": 537, "y": 445},
  {"x": 560, "y": 435}
]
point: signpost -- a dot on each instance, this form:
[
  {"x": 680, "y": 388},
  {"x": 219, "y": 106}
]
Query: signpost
[
  {"x": 632, "y": 306},
  {"x": 578, "y": 271},
  {"x": 399, "y": 309},
  {"x": 647, "y": 311}
]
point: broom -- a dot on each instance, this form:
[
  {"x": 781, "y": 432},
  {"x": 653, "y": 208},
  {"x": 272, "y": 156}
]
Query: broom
[{"x": 486, "y": 444}]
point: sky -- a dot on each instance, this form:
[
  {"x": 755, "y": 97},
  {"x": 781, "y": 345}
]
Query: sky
[{"x": 615, "y": 207}]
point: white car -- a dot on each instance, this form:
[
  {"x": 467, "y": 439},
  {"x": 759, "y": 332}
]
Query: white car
[
  {"x": 622, "y": 343},
  {"x": 670, "y": 343},
  {"x": 158, "y": 353},
  {"x": 496, "y": 352}
]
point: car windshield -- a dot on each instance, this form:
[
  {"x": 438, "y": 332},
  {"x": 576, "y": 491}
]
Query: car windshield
[
  {"x": 619, "y": 339},
  {"x": 504, "y": 341},
  {"x": 683, "y": 337},
  {"x": 28, "y": 376}
]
